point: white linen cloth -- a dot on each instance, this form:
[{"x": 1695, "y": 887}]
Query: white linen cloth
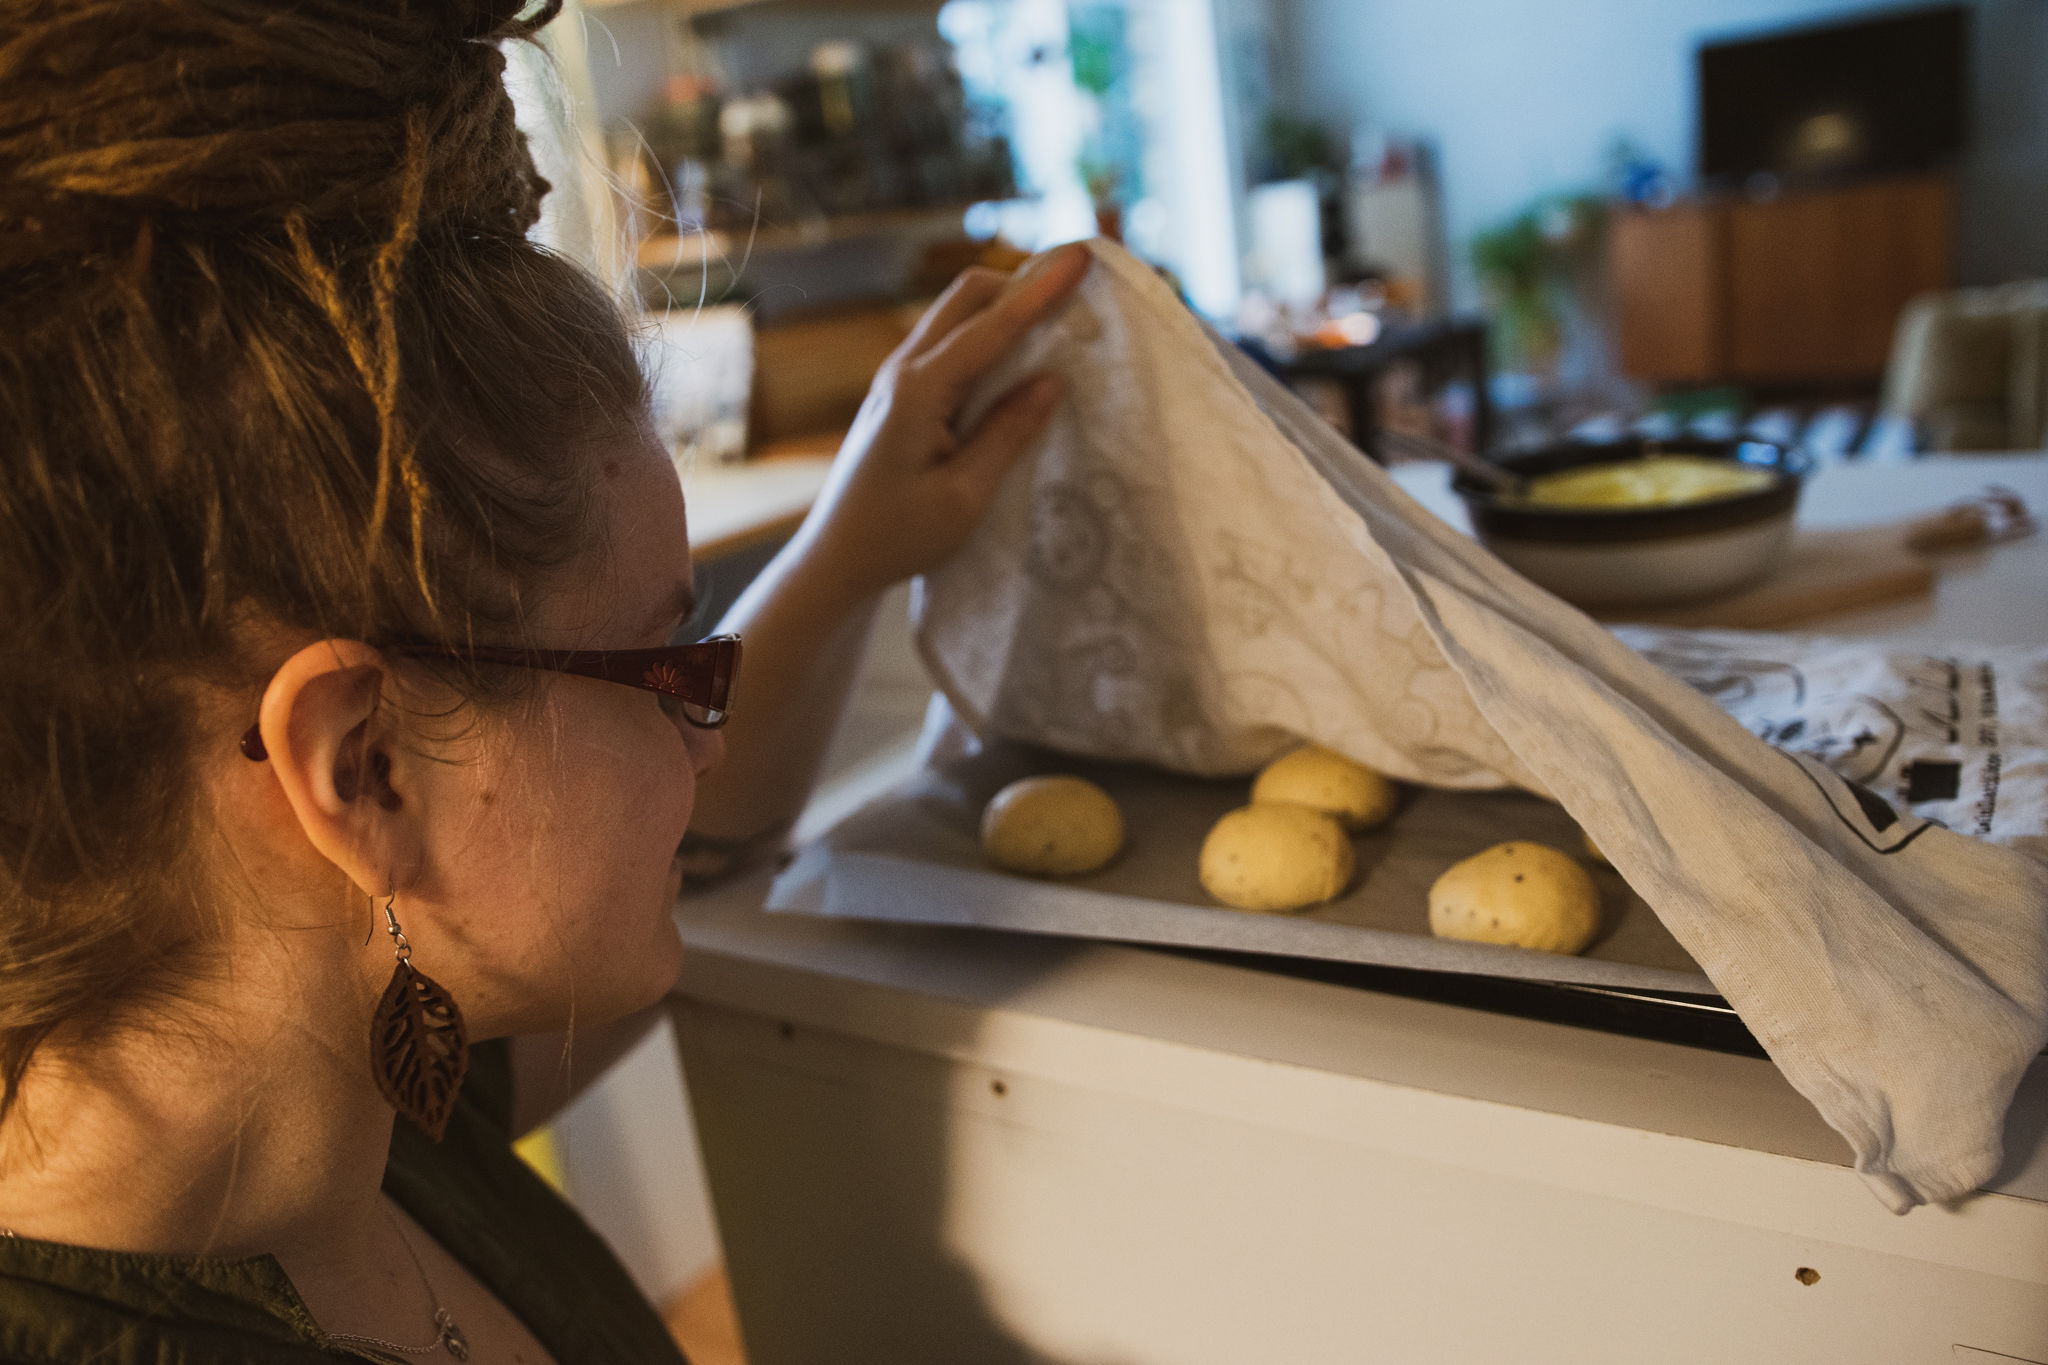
[{"x": 1193, "y": 571}]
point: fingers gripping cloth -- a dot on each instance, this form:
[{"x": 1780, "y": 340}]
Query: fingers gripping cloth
[{"x": 1192, "y": 571}]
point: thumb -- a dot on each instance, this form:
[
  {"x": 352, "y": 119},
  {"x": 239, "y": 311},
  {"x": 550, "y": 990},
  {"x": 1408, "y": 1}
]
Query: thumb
[{"x": 1006, "y": 432}]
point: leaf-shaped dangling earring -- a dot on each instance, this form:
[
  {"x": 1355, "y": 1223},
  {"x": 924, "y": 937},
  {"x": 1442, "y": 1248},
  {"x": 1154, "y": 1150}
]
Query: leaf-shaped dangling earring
[{"x": 418, "y": 1048}]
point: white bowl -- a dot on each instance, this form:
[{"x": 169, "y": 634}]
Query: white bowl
[{"x": 1612, "y": 557}]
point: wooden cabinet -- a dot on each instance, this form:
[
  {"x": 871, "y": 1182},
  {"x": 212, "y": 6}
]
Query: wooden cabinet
[
  {"x": 1816, "y": 281},
  {"x": 1801, "y": 289},
  {"x": 1668, "y": 296}
]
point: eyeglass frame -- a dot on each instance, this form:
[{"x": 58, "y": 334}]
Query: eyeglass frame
[{"x": 669, "y": 671}]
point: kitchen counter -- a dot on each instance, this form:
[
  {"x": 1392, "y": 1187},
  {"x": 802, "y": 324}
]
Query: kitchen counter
[{"x": 930, "y": 1144}]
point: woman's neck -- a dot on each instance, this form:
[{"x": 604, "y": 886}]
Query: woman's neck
[{"x": 246, "y": 1123}]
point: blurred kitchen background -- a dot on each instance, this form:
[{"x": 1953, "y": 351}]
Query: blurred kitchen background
[
  {"x": 1591, "y": 215},
  {"x": 1481, "y": 223}
]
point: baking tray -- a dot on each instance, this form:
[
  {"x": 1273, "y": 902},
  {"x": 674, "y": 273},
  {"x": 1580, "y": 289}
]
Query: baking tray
[
  {"x": 1690, "y": 1018},
  {"x": 914, "y": 855}
]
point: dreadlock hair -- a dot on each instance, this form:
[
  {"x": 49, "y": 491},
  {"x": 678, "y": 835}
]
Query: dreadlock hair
[{"x": 274, "y": 348}]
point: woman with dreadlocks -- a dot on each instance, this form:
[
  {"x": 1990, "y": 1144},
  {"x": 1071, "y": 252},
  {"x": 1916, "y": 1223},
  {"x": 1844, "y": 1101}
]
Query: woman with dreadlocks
[{"x": 345, "y": 754}]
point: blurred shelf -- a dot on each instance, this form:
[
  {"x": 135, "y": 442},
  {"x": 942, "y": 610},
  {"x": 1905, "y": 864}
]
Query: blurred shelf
[
  {"x": 736, "y": 507},
  {"x": 692, "y": 8},
  {"x": 689, "y": 251}
]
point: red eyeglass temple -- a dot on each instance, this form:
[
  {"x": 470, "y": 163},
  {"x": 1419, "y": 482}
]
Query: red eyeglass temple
[{"x": 702, "y": 674}]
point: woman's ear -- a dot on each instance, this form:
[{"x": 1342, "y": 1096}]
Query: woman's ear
[{"x": 330, "y": 745}]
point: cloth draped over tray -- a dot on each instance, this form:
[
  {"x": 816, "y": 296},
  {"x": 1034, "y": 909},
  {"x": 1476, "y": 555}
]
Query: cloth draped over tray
[{"x": 1193, "y": 571}]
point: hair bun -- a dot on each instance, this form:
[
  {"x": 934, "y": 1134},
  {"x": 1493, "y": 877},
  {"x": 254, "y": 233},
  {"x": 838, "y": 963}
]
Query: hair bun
[
  {"x": 496, "y": 20},
  {"x": 233, "y": 114}
]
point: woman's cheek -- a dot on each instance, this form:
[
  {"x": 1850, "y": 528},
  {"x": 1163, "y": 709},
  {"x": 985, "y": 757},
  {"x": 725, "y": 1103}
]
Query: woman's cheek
[
  {"x": 703, "y": 750},
  {"x": 662, "y": 787}
]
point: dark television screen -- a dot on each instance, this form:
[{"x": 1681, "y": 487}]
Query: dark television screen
[{"x": 1878, "y": 95}]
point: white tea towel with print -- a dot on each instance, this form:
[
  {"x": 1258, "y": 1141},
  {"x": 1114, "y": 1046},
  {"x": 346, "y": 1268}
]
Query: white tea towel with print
[
  {"x": 1193, "y": 571},
  {"x": 1957, "y": 737}
]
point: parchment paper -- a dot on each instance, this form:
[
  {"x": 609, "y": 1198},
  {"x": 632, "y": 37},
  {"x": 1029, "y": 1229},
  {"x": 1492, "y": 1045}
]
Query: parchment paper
[{"x": 915, "y": 855}]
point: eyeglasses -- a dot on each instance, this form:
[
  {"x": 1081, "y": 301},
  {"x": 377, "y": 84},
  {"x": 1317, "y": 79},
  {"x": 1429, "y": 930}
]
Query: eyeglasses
[{"x": 698, "y": 678}]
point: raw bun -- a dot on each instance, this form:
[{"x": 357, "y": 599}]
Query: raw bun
[
  {"x": 1329, "y": 782},
  {"x": 1275, "y": 858},
  {"x": 1526, "y": 895},
  {"x": 1052, "y": 827}
]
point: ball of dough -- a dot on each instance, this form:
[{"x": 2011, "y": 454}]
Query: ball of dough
[
  {"x": 1527, "y": 895},
  {"x": 1274, "y": 858},
  {"x": 1329, "y": 782},
  {"x": 1052, "y": 827}
]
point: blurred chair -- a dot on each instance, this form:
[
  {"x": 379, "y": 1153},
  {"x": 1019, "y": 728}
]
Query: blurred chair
[{"x": 1969, "y": 368}]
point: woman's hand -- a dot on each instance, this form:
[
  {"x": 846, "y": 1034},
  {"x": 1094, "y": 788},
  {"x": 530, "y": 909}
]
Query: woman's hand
[
  {"x": 908, "y": 487},
  {"x": 906, "y": 492}
]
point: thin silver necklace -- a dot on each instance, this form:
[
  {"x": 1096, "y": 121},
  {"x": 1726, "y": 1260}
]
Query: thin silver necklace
[{"x": 446, "y": 1333}]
